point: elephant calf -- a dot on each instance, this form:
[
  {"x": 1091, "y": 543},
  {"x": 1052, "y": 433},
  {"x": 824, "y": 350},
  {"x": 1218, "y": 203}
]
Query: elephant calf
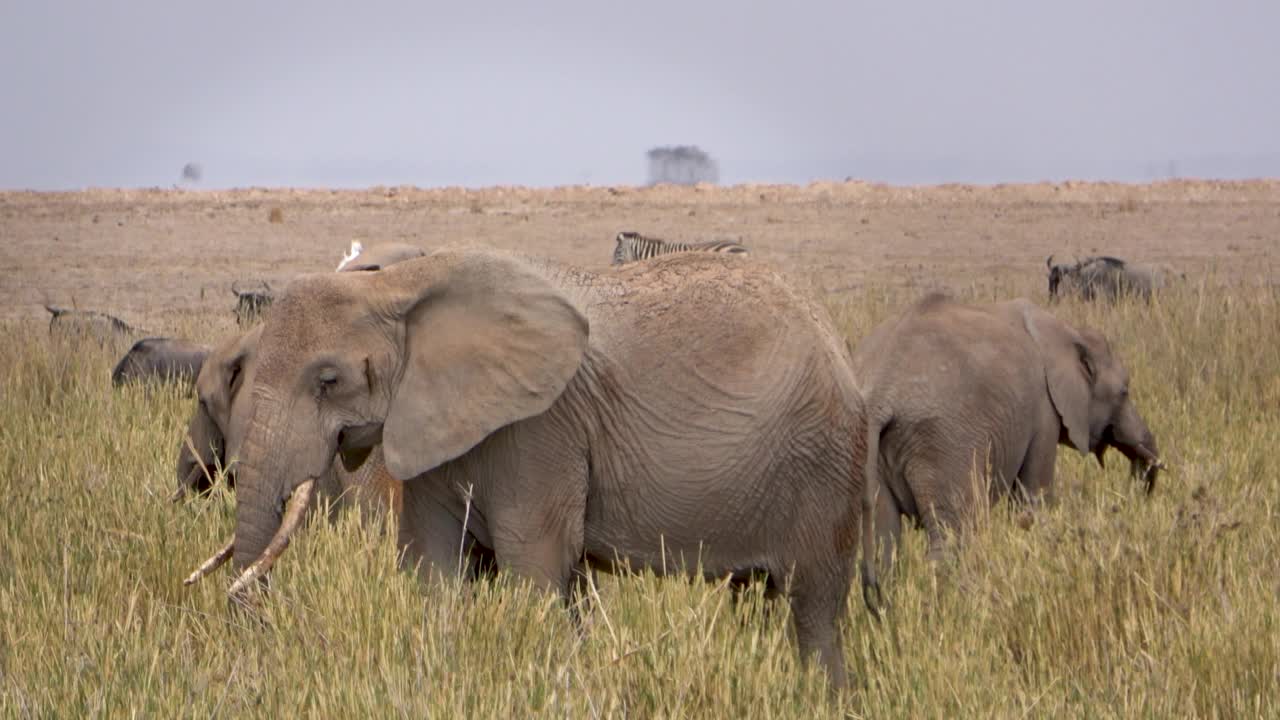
[
  {"x": 949, "y": 385},
  {"x": 165, "y": 359}
]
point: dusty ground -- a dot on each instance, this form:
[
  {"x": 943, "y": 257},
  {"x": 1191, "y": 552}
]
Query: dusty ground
[{"x": 155, "y": 257}]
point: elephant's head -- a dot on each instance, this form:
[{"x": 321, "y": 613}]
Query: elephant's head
[
  {"x": 220, "y": 412},
  {"x": 428, "y": 358},
  {"x": 1089, "y": 388}
]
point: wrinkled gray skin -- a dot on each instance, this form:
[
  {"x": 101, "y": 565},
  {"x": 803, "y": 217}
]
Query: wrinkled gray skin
[
  {"x": 1105, "y": 277},
  {"x": 689, "y": 407},
  {"x": 102, "y": 328},
  {"x": 946, "y": 381},
  {"x": 382, "y": 255},
  {"x": 162, "y": 359},
  {"x": 218, "y": 422}
]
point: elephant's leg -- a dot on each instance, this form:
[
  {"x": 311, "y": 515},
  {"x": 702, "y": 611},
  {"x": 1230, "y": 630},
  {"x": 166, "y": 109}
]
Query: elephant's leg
[
  {"x": 1038, "y": 467},
  {"x": 536, "y": 519},
  {"x": 547, "y": 559},
  {"x": 818, "y": 597},
  {"x": 935, "y": 492},
  {"x": 431, "y": 536}
]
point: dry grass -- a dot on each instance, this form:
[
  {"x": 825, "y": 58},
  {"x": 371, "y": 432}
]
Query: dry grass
[{"x": 1113, "y": 604}]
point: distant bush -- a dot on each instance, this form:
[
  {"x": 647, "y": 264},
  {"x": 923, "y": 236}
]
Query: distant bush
[{"x": 681, "y": 165}]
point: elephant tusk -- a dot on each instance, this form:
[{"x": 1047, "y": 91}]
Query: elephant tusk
[
  {"x": 294, "y": 511},
  {"x": 213, "y": 563}
]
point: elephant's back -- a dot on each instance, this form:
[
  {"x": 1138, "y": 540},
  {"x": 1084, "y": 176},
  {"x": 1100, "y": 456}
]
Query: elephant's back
[
  {"x": 941, "y": 347},
  {"x": 738, "y": 318}
]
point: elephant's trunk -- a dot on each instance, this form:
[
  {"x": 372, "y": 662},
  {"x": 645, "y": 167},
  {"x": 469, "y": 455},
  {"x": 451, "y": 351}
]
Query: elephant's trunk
[
  {"x": 274, "y": 488},
  {"x": 1146, "y": 465},
  {"x": 1132, "y": 437},
  {"x": 259, "y": 498},
  {"x": 295, "y": 510}
]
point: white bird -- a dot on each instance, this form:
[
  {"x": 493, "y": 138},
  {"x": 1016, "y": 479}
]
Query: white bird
[{"x": 356, "y": 247}]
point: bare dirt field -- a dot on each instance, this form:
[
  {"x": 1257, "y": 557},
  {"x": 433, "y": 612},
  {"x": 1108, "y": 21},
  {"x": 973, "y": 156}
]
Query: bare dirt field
[{"x": 155, "y": 257}]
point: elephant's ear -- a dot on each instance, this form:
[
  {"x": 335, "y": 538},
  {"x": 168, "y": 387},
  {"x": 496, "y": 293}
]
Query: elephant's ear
[
  {"x": 224, "y": 375},
  {"x": 487, "y": 342},
  {"x": 1068, "y": 368}
]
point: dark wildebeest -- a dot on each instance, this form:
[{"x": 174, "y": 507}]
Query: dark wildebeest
[
  {"x": 1101, "y": 276},
  {"x": 162, "y": 358},
  {"x": 250, "y": 304},
  {"x": 99, "y": 326}
]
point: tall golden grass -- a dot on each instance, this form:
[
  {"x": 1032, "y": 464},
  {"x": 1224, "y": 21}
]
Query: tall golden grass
[{"x": 1111, "y": 604}]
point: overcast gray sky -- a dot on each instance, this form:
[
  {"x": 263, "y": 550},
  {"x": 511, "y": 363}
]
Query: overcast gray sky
[{"x": 346, "y": 93}]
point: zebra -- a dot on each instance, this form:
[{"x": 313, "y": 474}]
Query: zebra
[{"x": 634, "y": 246}]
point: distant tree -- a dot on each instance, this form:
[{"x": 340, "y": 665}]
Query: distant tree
[
  {"x": 681, "y": 165},
  {"x": 191, "y": 172}
]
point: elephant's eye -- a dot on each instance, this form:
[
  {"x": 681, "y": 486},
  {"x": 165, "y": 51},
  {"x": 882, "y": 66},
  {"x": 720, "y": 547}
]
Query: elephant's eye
[{"x": 328, "y": 378}]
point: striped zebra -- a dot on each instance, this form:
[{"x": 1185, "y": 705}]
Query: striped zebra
[{"x": 634, "y": 246}]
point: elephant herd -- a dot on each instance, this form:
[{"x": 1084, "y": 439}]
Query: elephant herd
[{"x": 684, "y": 408}]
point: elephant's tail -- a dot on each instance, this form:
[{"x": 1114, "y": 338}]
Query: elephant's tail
[{"x": 871, "y": 594}]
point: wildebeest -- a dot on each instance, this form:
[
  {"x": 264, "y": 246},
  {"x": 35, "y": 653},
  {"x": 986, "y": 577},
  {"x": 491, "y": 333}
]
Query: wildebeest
[
  {"x": 163, "y": 358},
  {"x": 1101, "y": 275},
  {"x": 250, "y": 304},
  {"x": 92, "y": 324}
]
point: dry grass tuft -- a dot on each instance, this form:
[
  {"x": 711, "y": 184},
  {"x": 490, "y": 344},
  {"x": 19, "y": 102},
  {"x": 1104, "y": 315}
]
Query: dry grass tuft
[
  {"x": 1113, "y": 604},
  {"x": 276, "y": 216}
]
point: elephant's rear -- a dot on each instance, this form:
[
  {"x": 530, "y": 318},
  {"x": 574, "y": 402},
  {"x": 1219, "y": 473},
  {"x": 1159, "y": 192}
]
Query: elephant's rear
[{"x": 765, "y": 390}]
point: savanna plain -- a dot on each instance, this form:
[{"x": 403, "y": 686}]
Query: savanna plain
[{"x": 1113, "y": 603}]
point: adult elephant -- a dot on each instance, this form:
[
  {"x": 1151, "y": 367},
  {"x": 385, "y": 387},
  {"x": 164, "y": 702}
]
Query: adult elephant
[
  {"x": 681, "y": 410},
  {"x": 222, "y": 389},
  {"x": 379, "y": 256},
  {"x": 952, "y": 386}
]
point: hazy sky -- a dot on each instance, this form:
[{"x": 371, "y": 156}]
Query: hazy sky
[{"x": 328, "y": 93}]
